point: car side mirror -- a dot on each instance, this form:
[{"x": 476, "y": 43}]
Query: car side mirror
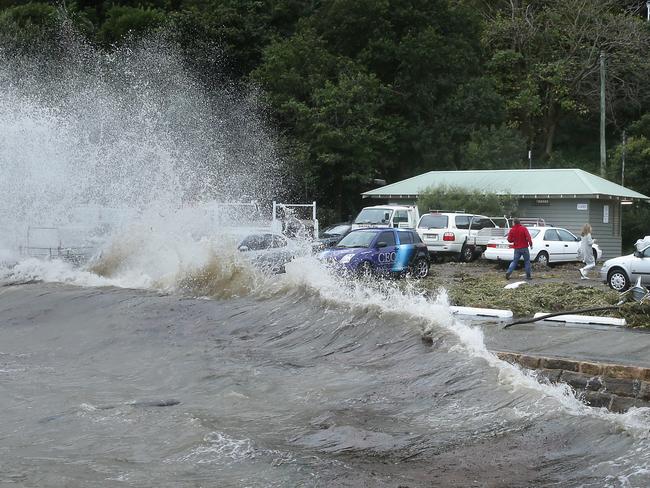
[
  {"x": 381, "y": 244},
  {"x": 638, "y": 254}
]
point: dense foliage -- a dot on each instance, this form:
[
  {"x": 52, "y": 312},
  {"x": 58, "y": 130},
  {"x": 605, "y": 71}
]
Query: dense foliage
[
  {"x": 450, "y": 198},
  {"x": 360, "y": 90}
]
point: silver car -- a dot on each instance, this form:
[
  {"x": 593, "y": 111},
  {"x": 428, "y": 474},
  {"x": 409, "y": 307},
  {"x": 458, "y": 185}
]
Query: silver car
[{"x": 619, "y": 273}]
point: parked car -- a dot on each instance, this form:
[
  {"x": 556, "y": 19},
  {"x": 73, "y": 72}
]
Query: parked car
[
  {"x": 268, "y": 251},
  {"x": 550, "y": 245},
  {"x": 449, "y": 233},
  {"x": 333, "y": 234},
  {"x": 619, "y": 273},
  {"x": 381, "y": 251}
]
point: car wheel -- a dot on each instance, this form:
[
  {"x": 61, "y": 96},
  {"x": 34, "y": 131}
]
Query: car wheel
[
  {"x": 466, "y": 254},
  {"x": 618, "y": 280},
  {"x": 420, "y": 268},
  {"x": 365, "y": 269},
  {"x": 542, "y": 258}
]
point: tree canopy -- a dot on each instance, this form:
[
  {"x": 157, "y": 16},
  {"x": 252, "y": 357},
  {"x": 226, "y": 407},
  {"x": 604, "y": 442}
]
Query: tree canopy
[{"x": 359, "y": 90}]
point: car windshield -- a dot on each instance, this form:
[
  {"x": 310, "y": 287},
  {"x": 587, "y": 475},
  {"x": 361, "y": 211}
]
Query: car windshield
[
  {"x": 336, "y": 230},
  {"x": 533, "y": 232},
  {"x": 357, "y": 239},
  {"x": 373, "y": 216},
  {"x": 433, "y": 221}
]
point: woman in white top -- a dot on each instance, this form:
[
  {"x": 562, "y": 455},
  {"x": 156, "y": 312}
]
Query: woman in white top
[{"x": 586, "y": 251}]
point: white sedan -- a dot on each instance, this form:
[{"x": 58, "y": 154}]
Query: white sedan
[{"x": 550, "y": 245}]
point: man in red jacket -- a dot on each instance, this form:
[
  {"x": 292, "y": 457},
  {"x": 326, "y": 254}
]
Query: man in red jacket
[{"x": 520, "y": 238}]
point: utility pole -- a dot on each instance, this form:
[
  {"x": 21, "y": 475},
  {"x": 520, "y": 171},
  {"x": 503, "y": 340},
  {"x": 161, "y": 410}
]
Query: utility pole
[
  {"x": 530, "y": 159},
  {"x": 603, "y": 154},
  {"x": 623, "y": 161}
]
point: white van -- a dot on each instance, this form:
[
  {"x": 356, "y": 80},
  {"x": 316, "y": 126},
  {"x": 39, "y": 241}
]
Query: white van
[
  {"x": 453, "y": 233},
  {"x": 397, "y": 216}
]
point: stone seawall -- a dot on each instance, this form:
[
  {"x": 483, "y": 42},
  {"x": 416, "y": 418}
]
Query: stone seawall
[{"x": 614, "y": 386}]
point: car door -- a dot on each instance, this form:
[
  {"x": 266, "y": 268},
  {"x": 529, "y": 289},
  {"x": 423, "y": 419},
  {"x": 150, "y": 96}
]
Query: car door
[
  {"x": 386, "y": 254},
  {"x": 640, "y": 267},
  {"x": 570, "y": 245},
  {"x": 405, "y": 251},
  {"x": 552, "y": 244}
]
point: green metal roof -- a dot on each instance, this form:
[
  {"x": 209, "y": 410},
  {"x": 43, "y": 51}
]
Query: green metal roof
[{"x": 532, "y": 183}]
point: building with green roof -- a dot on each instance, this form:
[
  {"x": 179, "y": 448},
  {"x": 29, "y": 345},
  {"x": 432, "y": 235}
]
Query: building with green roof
[{"x": 566, "y": 198}]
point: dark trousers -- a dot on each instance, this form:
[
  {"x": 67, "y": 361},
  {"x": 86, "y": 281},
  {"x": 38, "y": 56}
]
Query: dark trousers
[{"x": 519, "y": 253}]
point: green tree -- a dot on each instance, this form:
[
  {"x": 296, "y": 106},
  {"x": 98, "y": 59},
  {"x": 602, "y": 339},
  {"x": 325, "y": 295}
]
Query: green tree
[
  {"x": 349, "y": 136},
  {"x": 29, "y": 28},
  {"x": 545, "y": 58},
  {"x": 636, "y": 218},
  {"x": 454, "y": 198},
  {"x": 225, "y": 39},
  {"x": 122, "y": 21},
  {"x": 417, "y": 60},
  {"x": 335, "y": 113},
  {"x": 499, "y": 147},
  {"x": 424, "y": 51}
]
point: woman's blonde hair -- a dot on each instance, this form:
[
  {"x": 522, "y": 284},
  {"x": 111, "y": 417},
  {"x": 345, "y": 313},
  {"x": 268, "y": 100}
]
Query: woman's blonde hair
[{"x": 586, "y": 229}]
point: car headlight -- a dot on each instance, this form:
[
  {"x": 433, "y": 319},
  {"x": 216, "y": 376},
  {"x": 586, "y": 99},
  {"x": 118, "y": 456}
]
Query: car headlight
[{"x": 347, "y": 258}]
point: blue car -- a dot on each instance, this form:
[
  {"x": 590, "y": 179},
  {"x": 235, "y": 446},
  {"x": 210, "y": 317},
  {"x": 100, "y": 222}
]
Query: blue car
[{"x": 384, "y": 251}]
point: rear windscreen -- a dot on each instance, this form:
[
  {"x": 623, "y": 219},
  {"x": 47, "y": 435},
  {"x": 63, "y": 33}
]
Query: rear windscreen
[{"x": 433, "y": 222}]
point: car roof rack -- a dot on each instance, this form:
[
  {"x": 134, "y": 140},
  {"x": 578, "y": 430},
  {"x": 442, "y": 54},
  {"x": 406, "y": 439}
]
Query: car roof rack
[
  {"x": 530, "y": 222},
  {"x": 437, "y": 210}
]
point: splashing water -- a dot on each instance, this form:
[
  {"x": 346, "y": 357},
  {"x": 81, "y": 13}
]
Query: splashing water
[{"x": 99, "y": 148}]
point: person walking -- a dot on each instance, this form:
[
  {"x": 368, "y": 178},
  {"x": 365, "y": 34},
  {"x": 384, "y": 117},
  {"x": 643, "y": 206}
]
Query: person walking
[
  {"x": 586, "y": 251},
  {"x": 521, "y": 240}
]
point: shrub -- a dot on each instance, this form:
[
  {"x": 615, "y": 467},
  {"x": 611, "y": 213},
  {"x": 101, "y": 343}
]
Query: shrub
[{"x": 455, "y": 198}]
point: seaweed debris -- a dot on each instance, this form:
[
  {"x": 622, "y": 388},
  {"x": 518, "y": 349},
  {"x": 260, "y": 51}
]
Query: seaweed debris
[{"x": 486, "y": 289}]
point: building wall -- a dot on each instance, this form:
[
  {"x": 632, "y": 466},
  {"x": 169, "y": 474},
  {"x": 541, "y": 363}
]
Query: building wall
[{"x": 565, "y": 213}]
